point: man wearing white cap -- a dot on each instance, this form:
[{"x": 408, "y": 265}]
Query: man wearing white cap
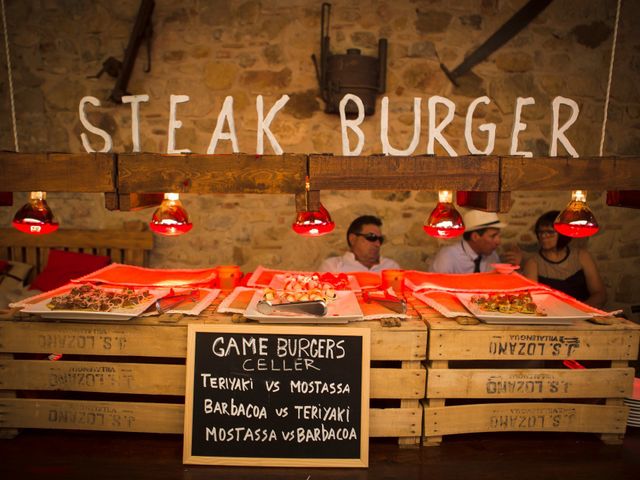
[{"x": 476, "y": 251}]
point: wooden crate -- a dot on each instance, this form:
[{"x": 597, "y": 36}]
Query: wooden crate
[
  {"x": 130, "y": 376},
  {"x": 498, "y": 378}
]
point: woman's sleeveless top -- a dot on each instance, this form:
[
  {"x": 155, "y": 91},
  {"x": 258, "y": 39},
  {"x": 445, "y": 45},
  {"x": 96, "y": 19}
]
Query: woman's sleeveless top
[{"x": 566, "y": 275}]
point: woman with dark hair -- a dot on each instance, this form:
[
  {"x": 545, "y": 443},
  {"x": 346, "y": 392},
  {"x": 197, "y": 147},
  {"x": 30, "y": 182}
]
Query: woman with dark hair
[{"x": 571, "y": 271}]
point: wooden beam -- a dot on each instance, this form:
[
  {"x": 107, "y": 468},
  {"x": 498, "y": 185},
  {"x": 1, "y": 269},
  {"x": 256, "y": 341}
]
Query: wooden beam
[
  {"x": 58, "y": 172},
  {"x": 624, "y": 198},
  {"x": 487, "y": 201},
  {"x": 562, "y": 173},
  {"x": 237, "y": 173},
  {"x": 6, "y": 199},
  {"x": 327, "y": 172},
  {"x": 123, "y": 175}
]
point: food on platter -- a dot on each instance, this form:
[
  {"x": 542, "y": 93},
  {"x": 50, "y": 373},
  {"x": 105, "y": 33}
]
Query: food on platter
[
  {"x": 301, "y": 288},
  {"x": 88, "y": 297},
  {"x": 340, "y": 281},
  {"x": 507, "y": 303}
]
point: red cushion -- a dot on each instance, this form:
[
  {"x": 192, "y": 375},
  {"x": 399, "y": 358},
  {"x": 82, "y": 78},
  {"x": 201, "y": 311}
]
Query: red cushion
[
  {"x": 64, "y": 266},
  {"x": 4, "y": 265}
]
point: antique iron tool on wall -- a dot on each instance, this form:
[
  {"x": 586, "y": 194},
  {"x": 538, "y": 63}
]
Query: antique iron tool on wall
[
  {"x": 354, "y": 73},
  {"x": 517, "y": 22},
  {"x": 121, "y": 70}
]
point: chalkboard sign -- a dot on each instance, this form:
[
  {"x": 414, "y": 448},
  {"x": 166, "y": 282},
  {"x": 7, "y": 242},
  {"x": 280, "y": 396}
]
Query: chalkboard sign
[{"x": 264, "y": 395}]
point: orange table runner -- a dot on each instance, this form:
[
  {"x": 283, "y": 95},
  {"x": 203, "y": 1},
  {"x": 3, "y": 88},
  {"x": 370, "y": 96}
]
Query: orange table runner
[{"x": 128, "y": 275}]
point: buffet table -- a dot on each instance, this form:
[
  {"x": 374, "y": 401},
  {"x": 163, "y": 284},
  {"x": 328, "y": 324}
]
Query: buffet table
[{"x": 430, "y": 376}]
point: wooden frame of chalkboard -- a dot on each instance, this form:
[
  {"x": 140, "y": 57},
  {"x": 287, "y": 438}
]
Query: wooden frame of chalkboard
[{"x": 267, "y": 395}]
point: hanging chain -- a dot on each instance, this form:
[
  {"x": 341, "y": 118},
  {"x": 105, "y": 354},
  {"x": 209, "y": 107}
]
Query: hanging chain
[
  {"x": 13, "y": 105},
  {"x": 613, "y": 56}
]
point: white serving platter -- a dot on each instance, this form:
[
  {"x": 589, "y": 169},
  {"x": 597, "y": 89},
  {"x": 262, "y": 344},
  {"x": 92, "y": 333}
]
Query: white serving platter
[
  {"x": 343, "y": 309},
  {"x": 556, "y": 312},
  {"x": 40, "y": 308}
]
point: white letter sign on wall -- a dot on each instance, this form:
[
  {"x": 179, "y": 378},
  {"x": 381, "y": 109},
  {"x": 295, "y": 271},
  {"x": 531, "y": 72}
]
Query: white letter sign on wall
[
  {"x": 350, "y": 127},
  {"x": 518, "y": 126},
  {"x": 265, "y": 122},
  {"x": 435, "y": 132},
  {"x": 387, "y": 149},
  {"x": 490, "y": 128},
  {"x": 86, "y": 124},
  {"x": 558, "y": 133},
  {"x": 226, "y": 114},
  {"x": 135, "y": 100},
  {"x": 175, "y": 124},
  {"x": 351, "y": 124}
]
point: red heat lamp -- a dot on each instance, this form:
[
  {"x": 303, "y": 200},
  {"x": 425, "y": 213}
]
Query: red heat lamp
[
  {"x": 35, "y": 217},
  {"x": 314, "y": 223},
  {"x": 576, "y": 220},
  {"x": 444, "y": 221},
  {"x": 312, "y": 219},
  {"x": 170, "y": 219}
]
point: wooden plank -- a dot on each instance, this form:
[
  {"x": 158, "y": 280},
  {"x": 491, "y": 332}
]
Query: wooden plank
[
  {"x": 86, "y": 415},
  {"x": 238, "y": 173},
  {"x": 529, "y": 383},
  {"x": 563, "y": 173},
  {"x": 31, "y": 256},
  {"x": 394, "y": 345},
  {"x": 530, "y": 343},
  {"x": 58, "y": 172},
  {"x": 7, "y": 433},
  {"x": 116, "y": 255},
  {"x": 93, "y": 339},
  {"x": 479, "y": 173},
  {"x": 395, "y": 422},
  {"x": 134, "y": 257},
  {"x": 158, "y": 417},
  {"x": 104, "y": 377},
  {"x": 162, "y": 379},
  {"x": 72, "y": 238},
  {"x": 397, "y": 383},
  {"x": 43, "y": 257},
  {"x": 17, "y": 253},
  {"x": 524, "y": 417}
]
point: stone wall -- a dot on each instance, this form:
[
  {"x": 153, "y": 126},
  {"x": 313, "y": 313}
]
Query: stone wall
[{"x": 211, "y": 49}]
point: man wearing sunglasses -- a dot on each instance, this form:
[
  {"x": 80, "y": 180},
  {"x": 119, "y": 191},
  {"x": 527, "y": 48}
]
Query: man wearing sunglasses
[{"x": 364, "y": 238}]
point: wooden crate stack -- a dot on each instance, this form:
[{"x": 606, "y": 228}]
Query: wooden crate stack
[
  {"x": 130, "y": 376},
  {"x": 115, "y": 377},
  {"x": 526, "y": 388}
]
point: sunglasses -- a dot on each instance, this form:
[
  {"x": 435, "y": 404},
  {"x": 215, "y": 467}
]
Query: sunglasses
[{"x": 372, "y": 237}]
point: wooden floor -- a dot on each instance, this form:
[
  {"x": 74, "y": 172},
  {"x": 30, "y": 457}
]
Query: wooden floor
[{"x": 53, "y": 455}]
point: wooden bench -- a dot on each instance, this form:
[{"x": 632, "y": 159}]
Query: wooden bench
[{"x": 130, "y": 245}]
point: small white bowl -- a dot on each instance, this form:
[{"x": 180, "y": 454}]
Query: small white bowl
[{"x": 504, "y": 267}]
